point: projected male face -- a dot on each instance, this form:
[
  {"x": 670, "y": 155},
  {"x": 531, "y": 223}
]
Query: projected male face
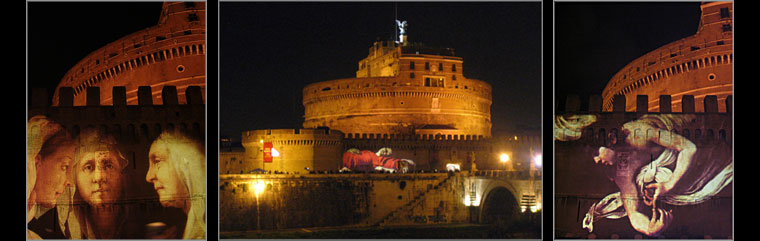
[
  {"x": 162, "y": 173},
  {"x": 52, "y": 174},
  {"x": 99, "y": 177}
]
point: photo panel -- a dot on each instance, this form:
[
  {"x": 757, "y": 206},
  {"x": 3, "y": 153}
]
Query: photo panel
[
  {"x": 116, "y": 111},
  {"x": 643, "y": 124},
  {"x": 380, "y": 120}
]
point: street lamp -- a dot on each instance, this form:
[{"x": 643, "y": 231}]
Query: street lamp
[
  {"x": 538, "y": 160},
  {"x": 504, "y": 158}
]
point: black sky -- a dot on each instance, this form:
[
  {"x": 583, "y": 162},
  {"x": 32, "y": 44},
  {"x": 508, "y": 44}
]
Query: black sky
[
  {"x": 60, "y": 34},
  {"x": 595, "y": 40},
  {"x": 270, "y": 51}
]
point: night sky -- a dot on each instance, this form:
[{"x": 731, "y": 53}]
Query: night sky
[
  {"x": 60, "y": 34},
  {"x": 593, "y": 41},
  {"x": 270, "y": 51}
]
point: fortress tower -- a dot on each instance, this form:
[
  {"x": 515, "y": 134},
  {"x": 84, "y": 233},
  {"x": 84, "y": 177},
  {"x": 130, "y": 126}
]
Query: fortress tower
[
  {"x": 698, "y": 65},
  {"x": 402, "y": 89},
  {"x": 172, "y": 53}
]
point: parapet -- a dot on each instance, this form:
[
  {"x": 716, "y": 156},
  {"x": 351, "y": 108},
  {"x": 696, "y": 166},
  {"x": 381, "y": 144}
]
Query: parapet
[
  {"x": 416, "y": 137},
  {"x": 144, "y": 97},
  {"x": 573, "y": 104}
]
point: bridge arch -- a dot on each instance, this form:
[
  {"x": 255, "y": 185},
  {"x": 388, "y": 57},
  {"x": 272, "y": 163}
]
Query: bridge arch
[{"x": 499, "y": 203}]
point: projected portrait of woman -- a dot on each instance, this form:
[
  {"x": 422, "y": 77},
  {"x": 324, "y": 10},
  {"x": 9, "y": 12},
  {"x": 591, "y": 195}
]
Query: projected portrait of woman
[
  {"x": 50, "y": 154},
  {"x": 178, "y": 174},
  {"x": 98, "y": 210}
]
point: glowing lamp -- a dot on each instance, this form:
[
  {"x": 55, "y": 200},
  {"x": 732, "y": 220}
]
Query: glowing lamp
[
  {"x": 259, "y": 187},
  {"x": 538, "y": 160},
  {"x": 504, "y": 157},
  {"x": 275, "y": 153}
]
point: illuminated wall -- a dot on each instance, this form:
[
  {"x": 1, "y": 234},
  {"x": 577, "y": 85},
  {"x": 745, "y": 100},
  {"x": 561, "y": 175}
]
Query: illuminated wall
[
  {"x": 402, "y": 90},
  {"x": 171, "y": 53},
  {"x": 315, "y": 149},
  {"x": 315, "y": 200},
  {"x": 318, "y": 151},
  {"x": 698, "y": 65},
  {"x": 134, "y": 128},
  {"x": 647, "y": 147}
]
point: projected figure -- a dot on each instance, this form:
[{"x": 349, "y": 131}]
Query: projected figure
[
  {"x": 50, "y": 154},
  {"x": 644, "y": 180},
  {"x": 178, "y": 174},
  {"x": 380, "y": 161},
  {"x": 98, "y": 210}
]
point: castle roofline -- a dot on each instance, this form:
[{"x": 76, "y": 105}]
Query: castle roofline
[{"x": 420, "y": 48}]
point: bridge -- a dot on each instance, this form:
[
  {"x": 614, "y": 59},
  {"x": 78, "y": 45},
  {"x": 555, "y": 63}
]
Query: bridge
[{"x": 271, "y": 201}]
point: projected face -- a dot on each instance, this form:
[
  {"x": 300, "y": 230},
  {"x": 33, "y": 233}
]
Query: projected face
[
  {"x": 52, "y": 174},
  {"x": 162, "y": 173},
  {"x": 99, "y": 178}
]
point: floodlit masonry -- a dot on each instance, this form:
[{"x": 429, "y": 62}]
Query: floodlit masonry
[
  {"x": 134, "y": 126},
  {"x": 698, "y": 65},
  {"x": 402, "y": 89},
  {"x": 579, "y": 183},
  {"x": 171, "y": 53}
]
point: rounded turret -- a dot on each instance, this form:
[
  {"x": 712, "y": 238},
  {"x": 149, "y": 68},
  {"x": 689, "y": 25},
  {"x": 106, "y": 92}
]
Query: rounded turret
[
  {"x": 698, "y": 65},
  {"x": 171, "y": 53}
]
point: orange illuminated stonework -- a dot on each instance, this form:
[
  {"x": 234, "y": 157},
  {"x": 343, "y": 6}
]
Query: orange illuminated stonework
[
  {"x": 410, "y": 89},
  {"x": 172, "y": 53},
  {"x": 698, "y": 65}
]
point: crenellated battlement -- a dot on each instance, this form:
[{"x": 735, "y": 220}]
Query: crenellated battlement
[
  {"x": 416, "y": 137},
  {"x": 710, "y": 103},
  {"x": 132, "y": 123},
  {"x": 703, "y": 128},
  {"x": 144, "y": 96}
]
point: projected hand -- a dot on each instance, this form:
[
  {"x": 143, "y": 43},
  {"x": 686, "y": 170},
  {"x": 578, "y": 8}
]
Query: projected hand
[
  {"x": 661, "y": 219},
  {"x": 659, "y": 190}
]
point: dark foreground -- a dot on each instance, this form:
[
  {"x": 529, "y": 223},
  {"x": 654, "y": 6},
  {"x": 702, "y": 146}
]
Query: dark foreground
[{"x": 452, "y": 231}]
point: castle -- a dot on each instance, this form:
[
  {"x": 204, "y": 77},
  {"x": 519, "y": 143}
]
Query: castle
[
  {"x": 411, "y": 98},
  {"x": 172, "y": 53}
]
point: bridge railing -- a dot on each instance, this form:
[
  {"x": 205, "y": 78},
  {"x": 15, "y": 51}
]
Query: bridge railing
[{"x": 520, "y": 175}]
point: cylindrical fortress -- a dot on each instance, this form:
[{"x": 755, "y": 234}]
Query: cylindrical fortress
[
  {"x": 698, "y": 65},
  {"x": 171, "y": 53},
  {"x": 402, "y": 90},
  {"x": 297, "y": 149}
]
